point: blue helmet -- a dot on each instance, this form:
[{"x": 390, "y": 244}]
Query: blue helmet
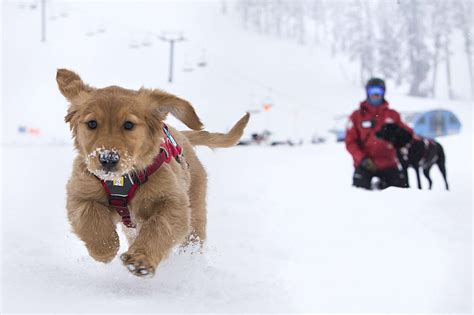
[{"x": 376, "y": 82}]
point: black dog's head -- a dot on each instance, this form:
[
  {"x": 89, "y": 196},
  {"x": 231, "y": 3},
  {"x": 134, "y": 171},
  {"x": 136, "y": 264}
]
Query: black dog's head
[{"x": 394, "y": 134}]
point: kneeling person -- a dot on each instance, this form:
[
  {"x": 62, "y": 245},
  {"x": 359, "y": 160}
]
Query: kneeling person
[{"x": 374, "y": 157}]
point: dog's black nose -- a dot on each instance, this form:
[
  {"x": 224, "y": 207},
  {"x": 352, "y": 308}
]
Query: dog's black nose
[{"x": 108, "y": 159}]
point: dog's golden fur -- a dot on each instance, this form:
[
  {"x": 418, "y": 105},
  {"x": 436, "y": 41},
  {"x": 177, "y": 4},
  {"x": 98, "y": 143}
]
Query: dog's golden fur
[{"x": 170, "y": 208}]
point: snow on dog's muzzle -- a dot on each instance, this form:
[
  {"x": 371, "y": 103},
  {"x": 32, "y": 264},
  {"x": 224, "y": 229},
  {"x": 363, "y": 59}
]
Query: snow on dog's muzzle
[
  {"x": 109, "y": 164},
  {"x": 108, "y": 159}
]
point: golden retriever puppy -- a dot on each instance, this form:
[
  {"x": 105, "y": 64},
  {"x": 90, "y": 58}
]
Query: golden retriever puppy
[{"x": 132, "y": 168}]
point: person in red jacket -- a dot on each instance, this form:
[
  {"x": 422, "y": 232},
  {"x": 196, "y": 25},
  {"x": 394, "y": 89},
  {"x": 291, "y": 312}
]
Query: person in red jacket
[{"x": 374, "y": 157}]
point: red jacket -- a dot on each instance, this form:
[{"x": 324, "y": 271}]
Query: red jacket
[{"x": 360, "y": 137}]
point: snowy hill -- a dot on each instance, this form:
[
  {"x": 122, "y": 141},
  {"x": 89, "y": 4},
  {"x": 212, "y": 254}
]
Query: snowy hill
[
  {"x": 287, "y": 233},
  {"x": 245, "y": 69}
]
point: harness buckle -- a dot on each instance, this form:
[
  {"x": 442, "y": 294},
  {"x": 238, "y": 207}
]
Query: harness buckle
[{"x": 118, "y": 201}]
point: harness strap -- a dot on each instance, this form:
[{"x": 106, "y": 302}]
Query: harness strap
[
  {"x": 426, "y": 142},
  {"x": 121, "y": 192}
]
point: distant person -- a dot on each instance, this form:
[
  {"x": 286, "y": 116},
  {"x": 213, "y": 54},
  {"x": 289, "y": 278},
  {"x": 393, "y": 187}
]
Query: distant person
[{"x": 374, "y": 157}]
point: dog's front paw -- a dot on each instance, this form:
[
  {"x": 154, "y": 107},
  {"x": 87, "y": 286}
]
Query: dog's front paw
[
  {"x": 138, "y": 264},
  {"x": 103, "y": 251}
]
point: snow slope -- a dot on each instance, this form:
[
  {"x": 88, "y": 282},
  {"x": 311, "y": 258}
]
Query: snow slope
[
  {"x": 286, "y": 231},
  {"x": 285, "y": 234}
]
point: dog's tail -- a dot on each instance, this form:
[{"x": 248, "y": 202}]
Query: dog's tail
[{"x": 218, "y": 140}]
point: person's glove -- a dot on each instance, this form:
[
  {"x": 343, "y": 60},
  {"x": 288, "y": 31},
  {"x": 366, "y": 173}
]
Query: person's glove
[{"x": 368, "y": 164}]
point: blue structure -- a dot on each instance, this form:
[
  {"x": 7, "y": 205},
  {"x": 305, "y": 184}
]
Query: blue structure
[
  {"x": 340, "y": 135},
  {"x": 430, "y": 124},
  {"x": 434, "y": 123}
]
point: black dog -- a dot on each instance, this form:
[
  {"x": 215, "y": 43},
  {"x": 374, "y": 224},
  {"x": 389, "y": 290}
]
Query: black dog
[{"x": 414, "y": 152}]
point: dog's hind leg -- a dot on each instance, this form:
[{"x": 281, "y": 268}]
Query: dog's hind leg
[
  {"x": 442, "y": 168},
  {"x": 130, "y": 234},
  {"x": 441, "y": 162},
  {"x": 198, "y": 207},
  {"x": 426, "y": 171}
]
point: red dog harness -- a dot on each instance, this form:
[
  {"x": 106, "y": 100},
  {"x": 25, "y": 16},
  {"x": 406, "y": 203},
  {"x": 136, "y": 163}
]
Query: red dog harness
[
  {"x": 121, "y": 191},
  {"x": 427, "y": 143}
]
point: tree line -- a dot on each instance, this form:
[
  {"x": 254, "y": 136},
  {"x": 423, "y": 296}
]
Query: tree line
[{"x": 405, "y": 41}]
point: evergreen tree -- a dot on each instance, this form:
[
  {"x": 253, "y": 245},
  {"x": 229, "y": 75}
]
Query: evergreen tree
[
  {"x": 464, "y": 15},
  {"x": 417, "y": 51},
  {"x": 389, "y": 42}
]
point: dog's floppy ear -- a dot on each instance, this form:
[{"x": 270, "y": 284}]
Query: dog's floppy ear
[
  {"x": 165, "y": 104},
  {"x": 70, "y": 84}
]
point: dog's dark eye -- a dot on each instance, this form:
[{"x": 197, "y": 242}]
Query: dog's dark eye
[
  {"x": 92, "y": 124},
  {"x": 128, "y": 125}
]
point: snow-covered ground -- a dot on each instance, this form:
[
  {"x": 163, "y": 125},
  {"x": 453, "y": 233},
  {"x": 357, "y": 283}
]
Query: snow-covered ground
[
  {"x": 286, "y": 234},
  {"x": 286, "y": 231}
]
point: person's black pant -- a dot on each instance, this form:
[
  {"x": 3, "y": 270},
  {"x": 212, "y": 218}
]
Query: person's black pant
[{"x": 389, "y": 177}]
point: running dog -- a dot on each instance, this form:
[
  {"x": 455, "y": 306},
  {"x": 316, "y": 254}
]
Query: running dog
[
  {"x": 134, "y": 169},
  {"x": 415, "y": 152}
]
